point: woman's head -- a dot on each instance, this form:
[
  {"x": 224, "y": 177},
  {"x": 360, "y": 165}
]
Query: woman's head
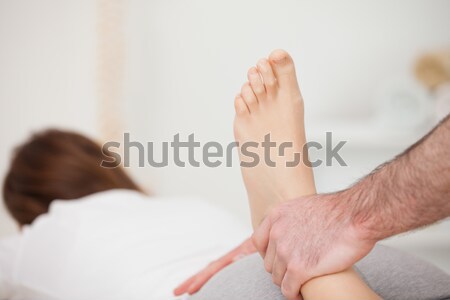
[{"x": 53, "y": 165}]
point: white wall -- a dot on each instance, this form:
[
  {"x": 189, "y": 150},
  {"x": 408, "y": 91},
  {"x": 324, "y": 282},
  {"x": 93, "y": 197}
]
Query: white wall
[
  {"x": 186, "y": 60},
  {"x": 47, "y": 69},
  {"x": 193, "y": 57}
]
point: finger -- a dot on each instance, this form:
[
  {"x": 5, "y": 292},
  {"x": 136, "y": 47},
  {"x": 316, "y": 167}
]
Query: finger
[
  {"x": 202, "y": 278},
  {"x": 270, "y": 256},
  {"x": 198, "y": 280},
  {"x": 292, "y": 283},
  {"x": 199, "y": 283},
  {"x": 278, "y": 270},
  {"x": 244, "y": 249},
  {"x": 260, "y": 237},
  {"x": 183, "y": 288},
  {"x": 194, "y": 283},
  {"x": 248, "y": 247}
]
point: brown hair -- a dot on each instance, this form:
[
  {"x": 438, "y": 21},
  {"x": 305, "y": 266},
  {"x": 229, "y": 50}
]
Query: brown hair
[{"x": 60, "y": 165}]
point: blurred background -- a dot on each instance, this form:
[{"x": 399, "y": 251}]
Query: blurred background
[{"x": 374, "y": 73}]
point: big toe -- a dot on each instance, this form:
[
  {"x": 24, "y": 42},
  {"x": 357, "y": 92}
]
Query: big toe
[{"x": 284, "y": 69}]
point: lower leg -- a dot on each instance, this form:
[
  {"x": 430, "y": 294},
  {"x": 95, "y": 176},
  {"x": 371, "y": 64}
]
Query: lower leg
[{"x": 346, "y": 285}]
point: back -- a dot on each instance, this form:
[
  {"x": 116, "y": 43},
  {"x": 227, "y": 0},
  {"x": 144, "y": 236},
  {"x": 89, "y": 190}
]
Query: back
[{"x": 120, "y": 244}]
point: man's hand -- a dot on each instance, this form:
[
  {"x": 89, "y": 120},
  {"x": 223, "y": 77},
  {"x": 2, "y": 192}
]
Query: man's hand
[
  {"x": 309, "y": 237},
  {"x": 195, "y": 283}
]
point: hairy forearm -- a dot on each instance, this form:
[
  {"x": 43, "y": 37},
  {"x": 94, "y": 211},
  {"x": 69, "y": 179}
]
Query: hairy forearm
[{"x": 411, "y": 191}]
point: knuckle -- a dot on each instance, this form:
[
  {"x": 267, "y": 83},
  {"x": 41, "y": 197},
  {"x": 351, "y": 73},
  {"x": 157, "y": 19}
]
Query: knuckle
[
  {"x": 276, "y": 233},
  {"x": 290, "y": 290},
  {"x": 294, "y": 268},
  {"x": 282, "y": 252},
  {"x": 277, "y": 277},
  {"x": 287, "y": 291},
  {"x": 256, "y": 242}
]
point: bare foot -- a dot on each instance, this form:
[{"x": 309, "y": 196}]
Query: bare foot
[{"x": 271, "y": 103}]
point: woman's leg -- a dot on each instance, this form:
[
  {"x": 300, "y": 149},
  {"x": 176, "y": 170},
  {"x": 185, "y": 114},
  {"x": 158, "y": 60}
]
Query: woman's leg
[
  {"x": 269, "y": 111},
  {"x": 344, "y": 285}
]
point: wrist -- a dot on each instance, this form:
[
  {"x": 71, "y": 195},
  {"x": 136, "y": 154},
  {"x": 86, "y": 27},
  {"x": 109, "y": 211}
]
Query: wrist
[{"x": 364, "y": 219}]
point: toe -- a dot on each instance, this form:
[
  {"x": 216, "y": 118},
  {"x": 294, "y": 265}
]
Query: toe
[
  {"x": 240, "y": 106},
  {"x": 283, "y": 68},
  {"x": 249, "y": 97},
  {"x": 256, "y": 84},
  {"x": 270, "y": 82}
]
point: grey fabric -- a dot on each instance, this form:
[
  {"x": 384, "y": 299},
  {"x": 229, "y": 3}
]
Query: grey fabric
[
  {"x": 390, "y": 273},
  {"x": 393, "y": 274}
]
